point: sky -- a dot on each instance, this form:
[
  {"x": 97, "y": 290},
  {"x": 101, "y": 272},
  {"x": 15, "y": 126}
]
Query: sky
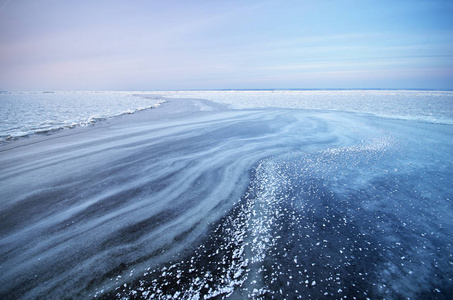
[{"x": 190, "y": 45}]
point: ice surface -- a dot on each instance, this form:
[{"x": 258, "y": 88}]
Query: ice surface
[
  {"x": 345, "y": 221},
  {"x": 425, "y": 106},
  {"x": 28, "y": 113},
  {"x": 192, "y": 200}
]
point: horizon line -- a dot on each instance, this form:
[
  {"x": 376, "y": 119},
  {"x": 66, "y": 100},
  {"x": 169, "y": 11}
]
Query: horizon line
[{"x": 238, "y": 89}]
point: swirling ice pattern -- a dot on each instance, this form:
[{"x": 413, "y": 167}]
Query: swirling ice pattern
[
  {"x": 274, "y": 203},
  {"x": 77, "y": 210},
  {"x": 305, "y": 229}
]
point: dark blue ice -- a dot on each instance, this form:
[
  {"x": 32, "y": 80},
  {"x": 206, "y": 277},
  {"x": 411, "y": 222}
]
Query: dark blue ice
[{"x": 275, "y": 203}]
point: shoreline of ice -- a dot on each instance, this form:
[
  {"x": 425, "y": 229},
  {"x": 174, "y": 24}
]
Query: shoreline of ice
[
  {"x": 59, "y": 116},
  {"x": 49, "y": 112}
]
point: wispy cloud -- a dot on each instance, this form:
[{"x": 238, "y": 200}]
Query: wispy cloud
[{"x": 220, "y": 44}]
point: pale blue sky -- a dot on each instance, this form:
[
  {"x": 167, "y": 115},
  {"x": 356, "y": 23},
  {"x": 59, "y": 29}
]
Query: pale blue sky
[{"x": 159, "y": 45}]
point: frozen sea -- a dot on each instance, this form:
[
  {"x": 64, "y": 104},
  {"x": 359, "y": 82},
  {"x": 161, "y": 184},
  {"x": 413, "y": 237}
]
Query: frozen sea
[
  {"x": 231, "y": 194},
  {"x": 27, "y": 113}
]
